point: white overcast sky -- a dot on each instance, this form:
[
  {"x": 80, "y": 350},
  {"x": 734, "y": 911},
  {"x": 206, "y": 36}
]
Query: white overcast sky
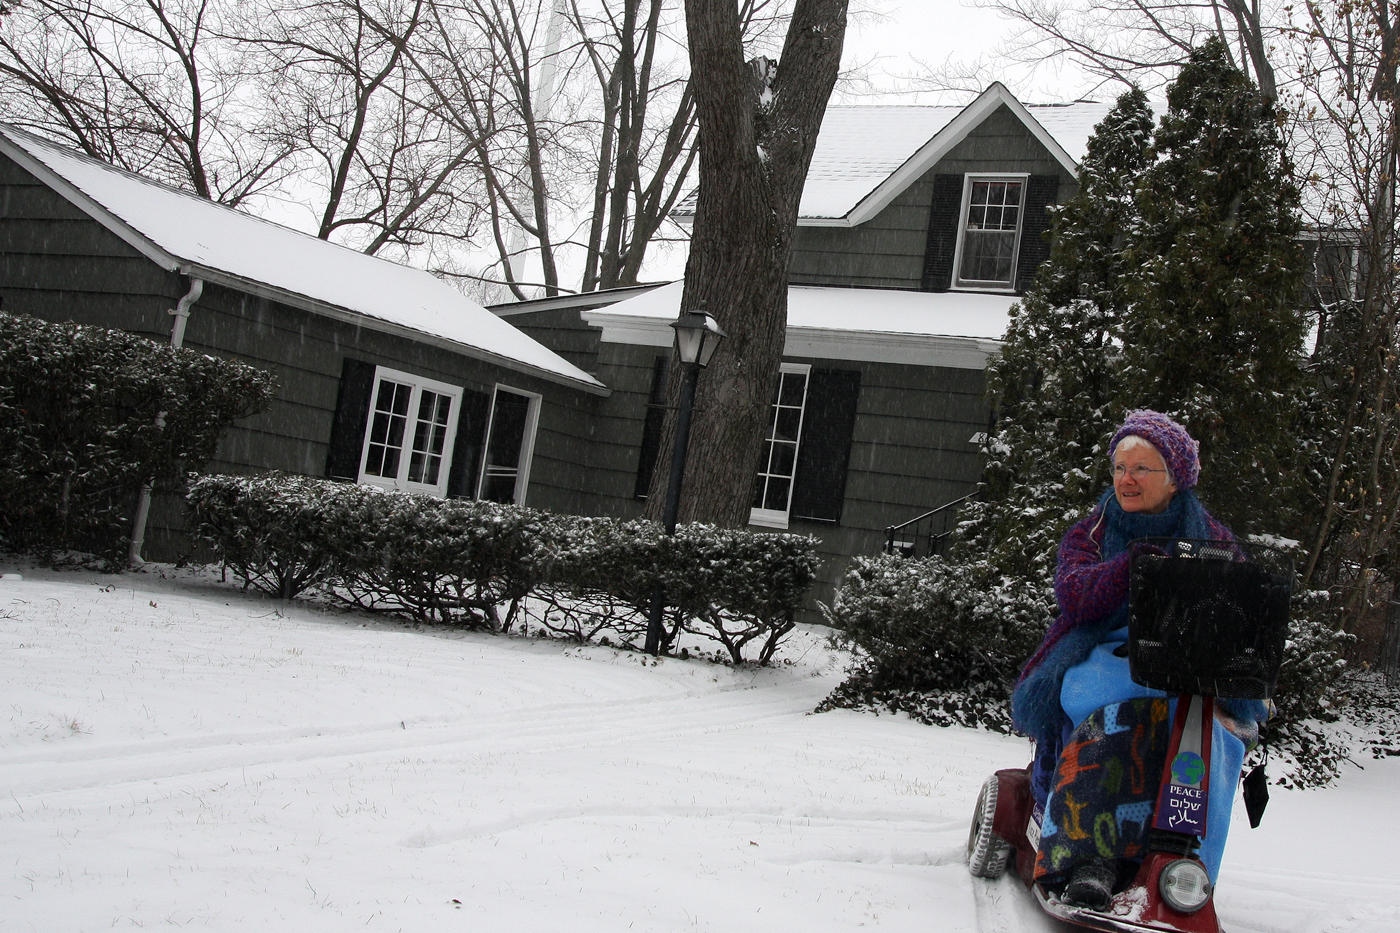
[{"x": 897, "y": 38}]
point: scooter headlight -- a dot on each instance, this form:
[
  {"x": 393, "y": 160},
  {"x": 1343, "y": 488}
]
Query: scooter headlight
[{"x": 1185, "y": 886}]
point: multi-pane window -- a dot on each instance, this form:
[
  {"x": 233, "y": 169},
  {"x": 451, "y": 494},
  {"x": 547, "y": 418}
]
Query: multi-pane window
[
  {"x": 991, "y": 230},
  {"x": 777, "y": 465},
  {"x": 408, "y": 441},
  {"x": 509, "y": 444},
  {"x": 429, "y": 437}
]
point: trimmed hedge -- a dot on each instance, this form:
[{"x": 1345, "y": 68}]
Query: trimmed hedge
[
  {"x": 79, "y": 429},
  {"x": 267, "y": 530},
  {"x": 488, "y": 566}
]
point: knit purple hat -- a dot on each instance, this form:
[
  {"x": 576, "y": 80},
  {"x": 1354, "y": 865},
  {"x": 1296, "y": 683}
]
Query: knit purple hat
[{"x": 1178, "y": 449}]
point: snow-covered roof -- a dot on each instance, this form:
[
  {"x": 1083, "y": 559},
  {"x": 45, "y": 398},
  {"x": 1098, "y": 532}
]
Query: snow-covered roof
[
  {"x": 955, "y": 329},
  {"x": 183, "y": 232},
  {"x": 866, "y": 155}
]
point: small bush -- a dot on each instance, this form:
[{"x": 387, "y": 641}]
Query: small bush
[
  {"x": 1310, "y": 696},
  {"x": 737, "y": 587},
  {"x": 443, "y": 561},
  {"x": 88, "y": 416},
  {"x": 269, "y": 529},
  {"x": 1373, "y": 714},
  {"x": 600, "y": 578},
  {"x": 488, "y": 566},
  {"x": 932, "y": 641}
]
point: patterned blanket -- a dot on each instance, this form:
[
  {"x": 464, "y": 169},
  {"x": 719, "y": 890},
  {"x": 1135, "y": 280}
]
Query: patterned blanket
[{"x": 1104, "y": 788}]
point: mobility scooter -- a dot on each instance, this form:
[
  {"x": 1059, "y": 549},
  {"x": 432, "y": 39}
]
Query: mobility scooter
[{"x": 1207, "y": 619}]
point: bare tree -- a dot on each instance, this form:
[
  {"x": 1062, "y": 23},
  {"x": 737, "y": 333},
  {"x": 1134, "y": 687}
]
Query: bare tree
[
  {"x": 300, "y": 101},
  {"x": 1142, "y": 42},
  {"x": 389, "y": 172},
  {"x": 642, "y": 167},
  {"x": 143, "y": 84},
  {"x": 1349, "y": 108},
  {"x": 475, "y": 69},
  {"x": 583, "y": 118},
  {"x": 758, "y": 126}
]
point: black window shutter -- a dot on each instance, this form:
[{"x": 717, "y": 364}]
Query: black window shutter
[
  {"x": 942, "y": 232},
  {"x": 819, "y": 487},
  {"x": 1035, "y": 245},
  {"x": 348, "y": 424},
  {"x": 466, "y": 449},
  {"x": 651, "y": 427}
]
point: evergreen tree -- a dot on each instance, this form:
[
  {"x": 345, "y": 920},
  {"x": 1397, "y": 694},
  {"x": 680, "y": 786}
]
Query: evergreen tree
[
  {"x": 1052, "y": 383},
  {"x": 1172, "y": 283},
  {"x": 1214, "y": 332}
]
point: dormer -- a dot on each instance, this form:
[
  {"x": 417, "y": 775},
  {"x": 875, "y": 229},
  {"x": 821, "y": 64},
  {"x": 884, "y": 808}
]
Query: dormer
[{"x": 937, "y": 198}]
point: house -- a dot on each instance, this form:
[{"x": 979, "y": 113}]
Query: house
[
  {"x": 918, "y": 229},
  {"x": 385, "y": 374}
]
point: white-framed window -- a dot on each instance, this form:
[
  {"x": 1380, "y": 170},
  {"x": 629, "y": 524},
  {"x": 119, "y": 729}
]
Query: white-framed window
[
  {"x": 411, "y": 427},
  {"x": 510, "y": 445},
  {"x": 777, "y": 466},
  {"x": 989, "y": 231}
]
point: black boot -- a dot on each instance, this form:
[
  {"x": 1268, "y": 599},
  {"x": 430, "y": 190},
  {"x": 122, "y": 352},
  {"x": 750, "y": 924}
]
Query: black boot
[{"x": 1091, "y": 885}]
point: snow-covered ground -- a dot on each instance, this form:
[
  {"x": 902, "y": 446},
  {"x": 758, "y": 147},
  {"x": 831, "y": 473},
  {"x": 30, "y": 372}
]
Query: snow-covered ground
[{"x": 178, "y": 754}]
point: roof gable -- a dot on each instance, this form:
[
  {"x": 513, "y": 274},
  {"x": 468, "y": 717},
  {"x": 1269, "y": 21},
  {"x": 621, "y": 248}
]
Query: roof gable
[
  {"x": 926, "y": 156},
  {"x": 182, "y": 232},
  {"x": 867, "y": 155}
]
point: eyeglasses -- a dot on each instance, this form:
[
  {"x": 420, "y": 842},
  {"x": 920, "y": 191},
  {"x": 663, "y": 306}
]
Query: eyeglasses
[{"x": 1138, "y": 473}]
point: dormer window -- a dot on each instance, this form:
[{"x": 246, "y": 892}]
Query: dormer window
[{"x": 989, "y": 233}]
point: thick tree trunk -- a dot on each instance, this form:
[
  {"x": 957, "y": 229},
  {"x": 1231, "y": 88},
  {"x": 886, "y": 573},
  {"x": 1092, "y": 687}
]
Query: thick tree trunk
[{"x": 758, "y": 126}]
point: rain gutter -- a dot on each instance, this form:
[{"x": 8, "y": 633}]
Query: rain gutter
[{"x": 181, "y": 313}]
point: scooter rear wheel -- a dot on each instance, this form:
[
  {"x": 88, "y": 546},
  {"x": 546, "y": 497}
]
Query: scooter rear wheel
[{"x": 987, "y": 853}]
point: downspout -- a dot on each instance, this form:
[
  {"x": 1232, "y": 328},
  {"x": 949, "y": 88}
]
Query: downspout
[{"x": 181, "y": 313}]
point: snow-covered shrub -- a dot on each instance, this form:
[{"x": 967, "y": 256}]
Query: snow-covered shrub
[
  {"x": 1373, "y": 714},
  {"x": 1310, "y": 697},
  {"x": 435, "y": 560},
  {"x": 931, "y": 640},
  {"x": 88, "y": 416},
  {"x": 738, "y": 587},
  {"x": 266, "y": 528},
  {"x": 599, "y": 578},
  {"x": 731, "y": 586},
  {"x": 486, "y": 565},
  {"x": 455, "y": 561}
]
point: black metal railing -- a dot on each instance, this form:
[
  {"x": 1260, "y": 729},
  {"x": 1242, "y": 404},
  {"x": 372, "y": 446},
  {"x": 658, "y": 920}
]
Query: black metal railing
[{"x": 924, "y": 534}]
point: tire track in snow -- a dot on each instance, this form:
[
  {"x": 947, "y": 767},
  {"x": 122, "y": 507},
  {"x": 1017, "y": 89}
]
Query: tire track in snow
[{"x": 555, "y": 726}]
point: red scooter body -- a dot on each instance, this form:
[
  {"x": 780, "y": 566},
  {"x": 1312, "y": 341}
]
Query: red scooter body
[{"x": 1138, "y": 907}]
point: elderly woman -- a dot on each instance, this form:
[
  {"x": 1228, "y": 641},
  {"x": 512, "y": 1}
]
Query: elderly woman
[{"x": 1101, "y": 738}]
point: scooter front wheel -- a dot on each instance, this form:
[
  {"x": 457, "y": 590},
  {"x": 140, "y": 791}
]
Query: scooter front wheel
[{"x": 987, "y": 853}]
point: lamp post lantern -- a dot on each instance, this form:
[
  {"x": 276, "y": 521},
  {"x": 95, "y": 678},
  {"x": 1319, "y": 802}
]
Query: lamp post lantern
[{"x": 697, "y": 336}]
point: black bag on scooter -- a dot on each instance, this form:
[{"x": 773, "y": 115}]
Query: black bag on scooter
[{"x": 1208, "y": 617}]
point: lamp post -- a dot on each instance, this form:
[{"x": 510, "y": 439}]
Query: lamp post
[{"x": 697, "y": 335}]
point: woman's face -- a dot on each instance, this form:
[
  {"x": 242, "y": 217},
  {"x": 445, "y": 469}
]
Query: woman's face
[{"x": 1140, "y": 479}]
